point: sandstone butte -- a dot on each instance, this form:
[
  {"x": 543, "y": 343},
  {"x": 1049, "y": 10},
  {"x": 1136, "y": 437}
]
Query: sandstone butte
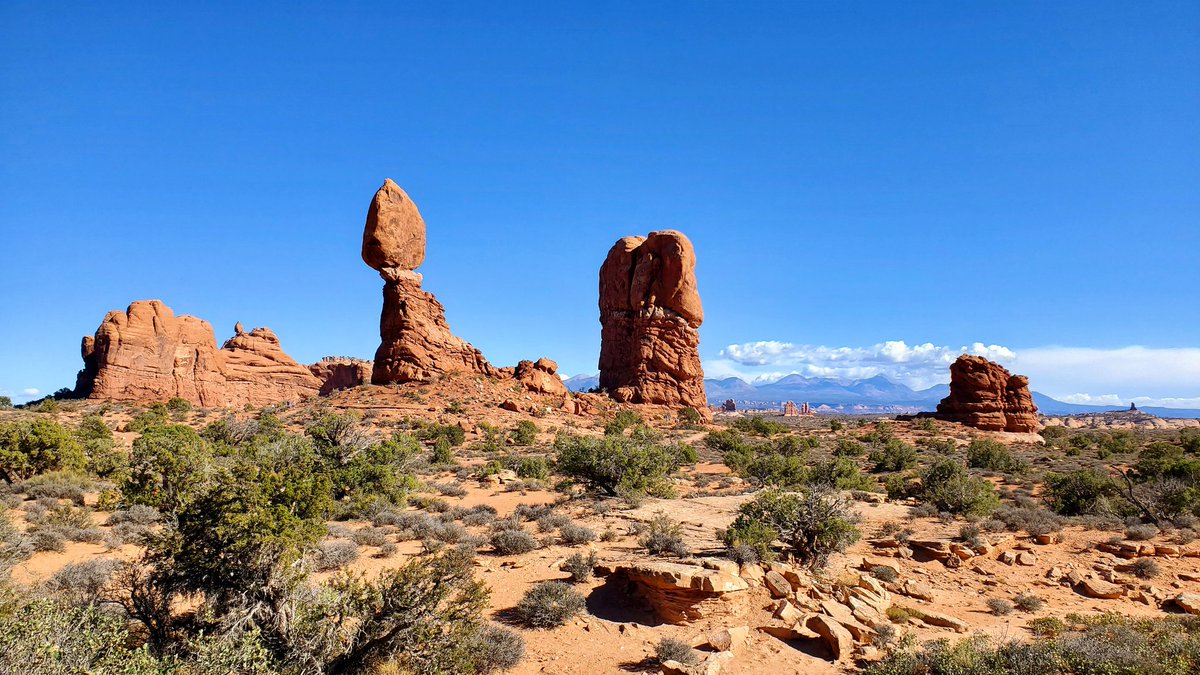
[
  {"x": 416, "y": 343},
  {"x": 984, "y": 395},
  {"x": 147, "y": 353},
  {"x": 650, "y": 314}
]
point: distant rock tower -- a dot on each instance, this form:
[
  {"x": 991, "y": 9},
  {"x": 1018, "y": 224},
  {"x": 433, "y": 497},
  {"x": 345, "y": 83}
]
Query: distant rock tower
[{"x": 650, "y": 314}]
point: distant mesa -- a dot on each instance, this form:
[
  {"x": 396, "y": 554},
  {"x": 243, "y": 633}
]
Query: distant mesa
[
  {"x": 729, "y": 406},
  {"x": 650, "y": 313},
  {"x": 416, "y": 343},
  {"x": 147, "y": 353},
  {"x": 984, "y": 395},
  {"x": 790, "y": 409}
]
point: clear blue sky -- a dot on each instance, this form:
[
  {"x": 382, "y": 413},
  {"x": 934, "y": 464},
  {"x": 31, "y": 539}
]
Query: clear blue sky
[{"x": 1017, "y": 174}]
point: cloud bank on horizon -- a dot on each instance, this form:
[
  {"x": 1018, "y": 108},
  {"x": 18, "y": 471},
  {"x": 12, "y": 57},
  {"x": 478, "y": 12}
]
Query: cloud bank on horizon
[{"x": 1168, "y": 377}]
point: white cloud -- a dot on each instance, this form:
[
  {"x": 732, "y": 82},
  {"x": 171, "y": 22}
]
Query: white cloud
[
  {"x": 1168, "y": 377},
  {"x": 919, "y": 366},
  {"x": 30, "y": 391}
]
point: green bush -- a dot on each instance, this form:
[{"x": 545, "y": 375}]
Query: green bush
[
  {"x": 581, "y": 566},
  {"x": 948, "y": 487},
  {"x": 5, "y": 403},
  {"x": 896, "y": 455},
  {"x": 985, "y": 453},
  {"x": 839, "y": 473},
  {"x": 1084, "y": 492},
  {"x": 155, "y": 415},
  {"x": 30, "y": 447},
  {"x": 758, "y": 425},
  {"x": 689, "y": 416},
  {"x": 623, "y": 420},
  {"x": 616, "y": 464},
  {"x": 179, "y": 405},
  {"x": 671, "y": 649},
  {"x": 848, "y": 447},
  {"x": 525, "y": 433},
  {"x": 812, "y": 525}
]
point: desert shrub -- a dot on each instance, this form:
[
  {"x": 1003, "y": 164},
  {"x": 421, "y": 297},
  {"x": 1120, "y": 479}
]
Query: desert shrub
[
  {"x": 1035, "y": 521},
  {"x": 758, "y": 425},
  {"x": 231, "y": 431},
  {"x": 370, "y": 536},
  {"x": 550, "y": 522},
  {"x": 496, "y": 649},
  {"x": 30, "y": 447},
  {"x": 1083, "y": 492},
  {"x": 1047, "y": 626},
  {"x": 512, "y": 542},
  {"x": 1141, "y": 532},
  {"x": 525, "y": 433},
  {"x": 881, "y": 434},
  {"x": 1028, "y": 602},
  {"x": 999, "y": 606},
  {"x": 450, "y": 489},
  {"x": 985, "y": 453},
  {"x": 532, "y": 467},
  {"x": 84, "y": 582},
  {"x": 549, "y": 604},
  {"x": 47, "y": 539},
  {"x": 6, "y": 403},
  {"x": 574, "y": 535},
  {"x": 580, "y": 566},
  {"x": 155, "y": 415},
  {"x": 836, "y": 425},
  {"x": 179, "y": 405},
  {"x": 59, "y": 485},
  {"x": 848, "y": 447},
  {"x": 663, "y": 536},
  {"x": 138, "y": 514},
  {"x": 839, "y": 473},
  {"x": 333, "y": 555},
  {"x": 339, "y": 435},
  {"x": 947, "y": 486},
  {"x": 895, "y": 455},
  {"x": 812, "y": 525},
  {"x": 442, "y": 453},
  {"x": 1145, "y": 568},
  {"x": 671, "y": 649},
  {"x": 623, "y": 420},
  {"x": 689, "y": 416},
  {"x": 742, "y": 554},
  {"x": 1158, "y": 458},
  {"x": 614, "y": 463},
  {"x": 941, "y": 446},
  {"x": 884, "y": 573}
]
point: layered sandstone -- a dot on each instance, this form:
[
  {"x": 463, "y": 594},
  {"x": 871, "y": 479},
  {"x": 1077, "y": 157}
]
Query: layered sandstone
[
  {"x": 984, "y": 395},
  {"x": 650, "y": 313},
  {"x": 148, "y": 354}
]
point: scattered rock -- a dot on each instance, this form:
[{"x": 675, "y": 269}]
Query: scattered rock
[
  {"x": 836, "y": 636},
  {"x": 1098, "y": 588},
  {"x": 942, "y": 620},
  {"x": 678, "y": 592},
  {"x": 728, "y": 639},
  {"x": 1188, "y": 602},
  {"x": 779, "y": 587}
]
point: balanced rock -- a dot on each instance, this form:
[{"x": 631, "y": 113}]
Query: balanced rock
[
  {"x": 415, "y": 340},
  {"x": 147, "y": 354},
  {"x": 984, "y": 395},
  {"x": 540, "y": 375},
  {"x": 650, "y": 314}
]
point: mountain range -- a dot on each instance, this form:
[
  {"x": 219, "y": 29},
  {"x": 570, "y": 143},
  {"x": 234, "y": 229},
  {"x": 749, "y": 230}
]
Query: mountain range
[{"x": 873, "y": 395}]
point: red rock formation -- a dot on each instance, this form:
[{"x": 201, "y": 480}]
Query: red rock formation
[
  {"x": 416, "y": 343},
  {"x": 341, "y": 372},
  {"x": 649, "y": 315},
  {"x": 541, "y": 376},
  {"x": 986, "y": 396},
  {"x": 147, "y": 354}
]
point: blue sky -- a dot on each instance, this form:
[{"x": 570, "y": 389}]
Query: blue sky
[{"x": 853, "y": 175}]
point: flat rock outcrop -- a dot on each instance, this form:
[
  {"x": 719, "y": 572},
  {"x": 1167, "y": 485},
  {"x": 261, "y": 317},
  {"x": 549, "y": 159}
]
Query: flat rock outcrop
[
  {"x": 148, "y": 354},
  {"x": 984, "y": 395},
  {"x": 341, "y": 372},
  {"x": 650, "y": 313}
]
